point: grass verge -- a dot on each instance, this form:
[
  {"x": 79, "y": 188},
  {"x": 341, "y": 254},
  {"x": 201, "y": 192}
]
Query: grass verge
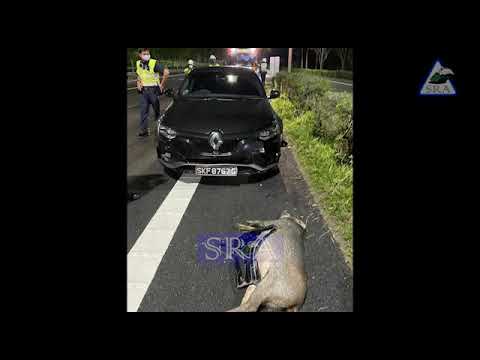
[{"x": 330, "y": 180}]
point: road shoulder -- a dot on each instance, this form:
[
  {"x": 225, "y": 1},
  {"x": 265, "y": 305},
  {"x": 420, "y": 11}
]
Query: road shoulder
[{"x": 316, "y": 201}]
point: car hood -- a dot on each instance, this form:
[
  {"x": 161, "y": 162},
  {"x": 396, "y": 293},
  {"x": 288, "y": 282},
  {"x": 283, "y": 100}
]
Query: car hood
[{"x": 231, "y": 116}]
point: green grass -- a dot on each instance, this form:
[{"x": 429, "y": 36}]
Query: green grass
[{"x": 330, "y": 181}]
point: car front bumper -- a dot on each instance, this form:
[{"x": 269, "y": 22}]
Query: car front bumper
[
  {"x": 248, "y": 155},
  {"x": 242, "y": 167}
]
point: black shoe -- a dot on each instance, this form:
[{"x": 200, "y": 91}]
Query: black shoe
[{"x": 143, "y": 134}]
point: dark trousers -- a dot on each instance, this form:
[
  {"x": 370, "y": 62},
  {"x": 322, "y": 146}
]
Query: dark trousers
[
  {"x": 264, "y": 76},
  {"x": 149, "y": 96}
]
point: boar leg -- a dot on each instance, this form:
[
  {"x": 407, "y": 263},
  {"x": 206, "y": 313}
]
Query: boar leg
[
  {"x": 293, "y": 309},
  {"x": 256, "y": 225},
  {"x": 245, "y": 228},
  {"x": 258, "y": 296},
  {"x": 248, "y": 293}
]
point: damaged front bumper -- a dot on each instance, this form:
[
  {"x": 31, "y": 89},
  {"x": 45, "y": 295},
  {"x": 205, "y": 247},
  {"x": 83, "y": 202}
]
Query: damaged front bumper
[{"x": 249, "y": 155}]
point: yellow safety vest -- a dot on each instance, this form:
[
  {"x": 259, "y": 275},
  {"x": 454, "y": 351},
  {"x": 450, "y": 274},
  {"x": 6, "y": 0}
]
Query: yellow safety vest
[
  {"x": 148, "y": 77},
  {"x": 213, "y": 65},
  {"x": 187, "y": 70}
]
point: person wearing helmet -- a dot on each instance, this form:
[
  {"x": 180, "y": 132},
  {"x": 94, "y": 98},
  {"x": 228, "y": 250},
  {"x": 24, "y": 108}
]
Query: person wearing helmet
[
  {"x": 189, "y": 68},
  {"x": 213, "y": 61},
  {"x": 263, "y": 70}
]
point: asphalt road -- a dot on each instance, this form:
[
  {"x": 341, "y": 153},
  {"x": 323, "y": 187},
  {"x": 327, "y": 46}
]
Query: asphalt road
[
  {"x": 340, "y": 85},
  {"x": 180, "y": 282}
]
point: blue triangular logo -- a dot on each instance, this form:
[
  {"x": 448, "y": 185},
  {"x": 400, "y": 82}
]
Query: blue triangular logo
[{"x": 438, "y": 82}]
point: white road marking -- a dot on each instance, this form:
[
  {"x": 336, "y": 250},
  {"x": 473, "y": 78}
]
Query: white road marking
[
  {"x": 338, "y": 82},
  {"x": 147, "y": 253}
]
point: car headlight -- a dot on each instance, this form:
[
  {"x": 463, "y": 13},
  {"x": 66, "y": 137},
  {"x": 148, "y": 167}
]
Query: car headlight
[
  {"x": 269, "y": 132},
  {"x": 167, "y": 132}
]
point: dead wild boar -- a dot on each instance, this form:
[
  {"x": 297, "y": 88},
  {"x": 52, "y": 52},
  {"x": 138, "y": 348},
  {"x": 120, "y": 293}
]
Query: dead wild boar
[{"x": 282, "y": 282}]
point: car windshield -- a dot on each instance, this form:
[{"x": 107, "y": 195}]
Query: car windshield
[{"x": 219, "y": 84}]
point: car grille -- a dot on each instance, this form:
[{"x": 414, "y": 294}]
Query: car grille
[{"x": 202, "y": 146}]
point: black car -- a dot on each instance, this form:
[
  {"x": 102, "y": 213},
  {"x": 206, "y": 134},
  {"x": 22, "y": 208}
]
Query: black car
[{"x": 220, "y": 123}]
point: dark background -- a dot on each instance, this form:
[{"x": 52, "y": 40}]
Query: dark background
[{"x": 413, "y": 181}]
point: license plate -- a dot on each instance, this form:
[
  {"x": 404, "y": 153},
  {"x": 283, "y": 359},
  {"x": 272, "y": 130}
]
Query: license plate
[{"x": 216, "y": 170}]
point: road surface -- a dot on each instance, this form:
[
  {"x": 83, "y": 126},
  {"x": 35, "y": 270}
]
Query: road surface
[
  {"x": 167, "y": 238},
  {"x": 340, "y": 85}
]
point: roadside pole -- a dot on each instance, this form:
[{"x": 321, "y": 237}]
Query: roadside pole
[{"x": 290, "y": 51}]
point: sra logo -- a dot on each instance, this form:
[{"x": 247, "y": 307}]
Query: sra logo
[{"x": 439, "y": 81}]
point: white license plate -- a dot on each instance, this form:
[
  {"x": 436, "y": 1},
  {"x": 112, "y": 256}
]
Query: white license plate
[{"x": 216, "y": 170}]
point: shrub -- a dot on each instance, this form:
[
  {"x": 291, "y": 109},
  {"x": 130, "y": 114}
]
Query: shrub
[
  {"x": 301, "y": 87},
  {"x": 334, "y": 122},
  {"x": 332, "y": 111}
]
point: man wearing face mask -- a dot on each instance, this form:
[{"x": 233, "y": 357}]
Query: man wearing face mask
[{"x": 149, "y": 87}]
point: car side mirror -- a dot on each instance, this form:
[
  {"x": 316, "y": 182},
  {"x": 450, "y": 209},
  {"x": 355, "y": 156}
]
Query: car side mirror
[
  {"x": 274, "y": 94},
  {"x": 169, "y": 93}
]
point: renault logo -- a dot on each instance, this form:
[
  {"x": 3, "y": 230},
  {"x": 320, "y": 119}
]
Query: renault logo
[{"x": 215, "y": 140}]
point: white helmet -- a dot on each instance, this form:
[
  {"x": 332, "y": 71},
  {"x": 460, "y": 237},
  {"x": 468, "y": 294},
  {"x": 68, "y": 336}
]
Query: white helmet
[
  {"x": 212, "y": 57},
  {"x": 190, "y": 62},
  {"x": 264, "y": 60}
]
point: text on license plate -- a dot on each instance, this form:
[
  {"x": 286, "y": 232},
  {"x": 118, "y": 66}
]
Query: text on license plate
[{"x": 216, "y": 170}]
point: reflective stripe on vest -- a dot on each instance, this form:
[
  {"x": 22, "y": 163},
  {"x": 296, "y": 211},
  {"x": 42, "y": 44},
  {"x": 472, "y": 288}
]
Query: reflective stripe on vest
[{"x": 148, "y": 77}]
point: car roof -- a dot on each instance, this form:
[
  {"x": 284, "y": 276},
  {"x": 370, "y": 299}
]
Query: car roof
[{"x": 223, "y": 69}]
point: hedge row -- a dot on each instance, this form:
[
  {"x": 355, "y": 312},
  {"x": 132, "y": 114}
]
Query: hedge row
[{"x": 333, "y": 111}]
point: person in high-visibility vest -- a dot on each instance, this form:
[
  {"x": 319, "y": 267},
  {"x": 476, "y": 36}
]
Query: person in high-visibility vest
[
  {"x": 149, "y": 87},
  {"x": 189, "y": 68},
  {"x": 213, "y": 61}
]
